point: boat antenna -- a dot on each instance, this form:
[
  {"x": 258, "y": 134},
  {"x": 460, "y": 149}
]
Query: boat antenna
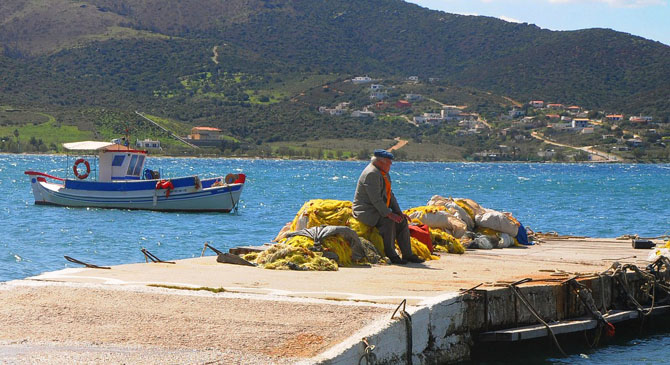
[{"x": 127, "y": 135}]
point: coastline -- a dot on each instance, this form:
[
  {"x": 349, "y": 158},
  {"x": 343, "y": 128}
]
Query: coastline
[{"x": 357, "y": 160}]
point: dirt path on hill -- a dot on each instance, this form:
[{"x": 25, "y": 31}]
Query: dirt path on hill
[
  {"x": 215, "y": 57},
  {"x": 400, "y": 143},
  {"x": 516, "y": 103},
  {"x": 596, "y": 155}
]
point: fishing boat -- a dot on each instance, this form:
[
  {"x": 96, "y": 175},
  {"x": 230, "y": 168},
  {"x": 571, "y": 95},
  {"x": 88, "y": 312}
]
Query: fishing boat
[{"x": 121, "y": 181}]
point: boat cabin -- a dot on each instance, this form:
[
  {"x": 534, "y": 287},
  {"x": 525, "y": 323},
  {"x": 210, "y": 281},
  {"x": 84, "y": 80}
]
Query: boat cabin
[{"x": 116, "y": 162}]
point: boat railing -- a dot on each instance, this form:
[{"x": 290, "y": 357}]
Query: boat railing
[{"x": 43, "y": 175}]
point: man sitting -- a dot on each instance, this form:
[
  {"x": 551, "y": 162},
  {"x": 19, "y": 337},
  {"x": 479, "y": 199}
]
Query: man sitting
[{"x": 375, "y": 205}]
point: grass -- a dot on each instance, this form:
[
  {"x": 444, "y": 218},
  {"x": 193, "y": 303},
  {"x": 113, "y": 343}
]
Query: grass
[
  {"x": 40, "y": 126},
  {"x": 348, "y": 147}
]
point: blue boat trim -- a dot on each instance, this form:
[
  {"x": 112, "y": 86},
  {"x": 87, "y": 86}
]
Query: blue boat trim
[{"x": 125, "y": 185}]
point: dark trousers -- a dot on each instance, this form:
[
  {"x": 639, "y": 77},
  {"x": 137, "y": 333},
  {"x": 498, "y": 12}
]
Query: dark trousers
[{"x": 392, "y": 231}]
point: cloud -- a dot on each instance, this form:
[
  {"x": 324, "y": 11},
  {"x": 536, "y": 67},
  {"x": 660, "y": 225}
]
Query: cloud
[
  {"x": 615, "y": 3},
  {"x": 509, "y": 20}
]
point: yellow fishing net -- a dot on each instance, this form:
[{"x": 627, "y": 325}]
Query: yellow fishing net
[
  {"x": 419, "y": 249},
  {"x": 335, "y": 244},
  {"x": 322, "y": 211},
  {"x": 464, "y": 204},
  {"x": 286, "y": 257},
  {"x": 368, "y": 232},
  {"x": 444, "y": 242}
]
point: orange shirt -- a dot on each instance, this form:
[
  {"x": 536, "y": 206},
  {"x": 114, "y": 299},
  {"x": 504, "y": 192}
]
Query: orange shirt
[{"x": 387, "y": 186}]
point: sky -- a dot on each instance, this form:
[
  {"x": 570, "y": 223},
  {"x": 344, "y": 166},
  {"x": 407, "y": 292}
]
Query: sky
[{"x": 645, "y": 18}]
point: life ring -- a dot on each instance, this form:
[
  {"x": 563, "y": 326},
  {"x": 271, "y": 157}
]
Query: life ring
[
  {"x": 76, "y": 168},
  {"x": 231, "y": 178}
]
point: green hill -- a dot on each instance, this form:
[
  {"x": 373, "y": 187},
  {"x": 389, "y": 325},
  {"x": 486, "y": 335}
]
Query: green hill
[{"x": 257, "y": 68}]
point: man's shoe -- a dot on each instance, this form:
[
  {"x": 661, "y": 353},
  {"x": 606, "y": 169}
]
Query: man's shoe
[
  {"x": 415, "y": 259},
  {"x": 397, "y": 260}
]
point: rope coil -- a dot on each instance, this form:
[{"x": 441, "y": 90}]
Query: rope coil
[{"x": 368, "y": 355}]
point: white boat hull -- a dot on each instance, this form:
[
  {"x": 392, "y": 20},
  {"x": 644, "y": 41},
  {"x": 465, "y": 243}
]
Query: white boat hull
[{"x": 222, "y": 198}]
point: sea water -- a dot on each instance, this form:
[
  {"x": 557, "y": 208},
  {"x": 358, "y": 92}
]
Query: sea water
[{"x": 596, "y": 200}]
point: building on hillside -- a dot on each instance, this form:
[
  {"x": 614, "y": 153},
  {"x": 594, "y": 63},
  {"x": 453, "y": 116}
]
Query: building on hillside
[
  {"x": 553, "y": 116},
  {"x": 429, "y": 118},
  {"x": 537, "y": 103},
  {"x": 413, "y": 97},
  {"x": 413, "y": 78},
  {"x": 361, "y": 80},
  {"x": 375, "y": 87},
  {"x": 579, "y": 123},
  {"x": 548, "y": 153},
  {"x": 381, "y": 105},
  {"x": 565, "y": 118},
  {"x": 362, "y": 114},
  {"x": 587, "y": 130},
  {"x": 560, "y": 126},
  {"x": 380, "y": 95},
  {"x": 449, "y": 114},
  {"x": 614, "y": 117},
  {"x": 640, "y": 119},
  {"x": 555, "y": 106},
  {"x": 332, "y": 111},
  {"x": 574, "y": 109},
  {"x": 148, "y": 144},
  {"x": 403, "y": 104},
  {"x": 433, "y": 79},
  {"x": 516, "y": 113},
  {"x": 205, "y": 133}
]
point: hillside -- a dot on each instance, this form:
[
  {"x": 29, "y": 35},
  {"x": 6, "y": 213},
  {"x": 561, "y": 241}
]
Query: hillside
[{"x": 251, "y": 67}]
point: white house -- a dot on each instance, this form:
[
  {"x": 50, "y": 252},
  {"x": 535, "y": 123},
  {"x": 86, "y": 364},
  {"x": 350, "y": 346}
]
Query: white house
[
  {"x": 413, "y": 78},
  {"x": 148, "y": 144},
  {"x": 429, "y": 118},
  {"x": 361, "y": 80},
  {"x": 580, "y": 123},
  {"x": 413, "y": 97},
  {"x": 362, "y": 114},
  {"x": 640, "y": 119}
]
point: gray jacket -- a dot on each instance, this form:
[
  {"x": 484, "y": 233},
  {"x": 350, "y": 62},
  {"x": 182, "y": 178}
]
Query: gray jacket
[{"x": 370, "y": 197}]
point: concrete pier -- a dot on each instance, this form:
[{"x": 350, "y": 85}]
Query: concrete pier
[{"x": 198, "y": 310}]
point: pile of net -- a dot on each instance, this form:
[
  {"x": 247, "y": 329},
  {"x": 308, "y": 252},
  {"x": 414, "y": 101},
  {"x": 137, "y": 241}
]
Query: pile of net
[
  {"x": 368, "y": 248},
  {"x": 471, "y": 224},
  {"x": 325, "y": 236}
]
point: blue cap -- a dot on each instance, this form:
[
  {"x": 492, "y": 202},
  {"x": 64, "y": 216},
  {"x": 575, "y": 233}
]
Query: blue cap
[{"x": 383, "y": 153}]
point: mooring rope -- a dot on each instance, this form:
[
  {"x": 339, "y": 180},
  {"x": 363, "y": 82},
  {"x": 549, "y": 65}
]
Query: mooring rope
[
  {"x": 408, "y": 328},
  {"x": 532, "y": 310}
]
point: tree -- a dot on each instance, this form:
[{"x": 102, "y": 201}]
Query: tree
[{"x": 16, "y": 134}]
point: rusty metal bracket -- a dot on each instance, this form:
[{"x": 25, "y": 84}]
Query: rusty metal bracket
[
  {"x": 85, "y": 264},
  {"x": 149, "y": 256},
  {"x": 207, "y": 245}
]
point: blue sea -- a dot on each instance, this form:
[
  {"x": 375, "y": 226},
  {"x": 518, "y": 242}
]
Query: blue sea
[{"x": 596, "y": 200}]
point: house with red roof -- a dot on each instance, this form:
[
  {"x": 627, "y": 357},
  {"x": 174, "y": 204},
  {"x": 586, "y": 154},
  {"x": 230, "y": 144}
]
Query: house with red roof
[{"x": 205, "y": 133}]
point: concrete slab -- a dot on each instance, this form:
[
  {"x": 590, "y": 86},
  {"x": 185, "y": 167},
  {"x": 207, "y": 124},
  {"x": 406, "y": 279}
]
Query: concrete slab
[{"x": 272, "y": 316}]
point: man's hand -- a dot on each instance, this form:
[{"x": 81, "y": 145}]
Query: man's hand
[
  {"x": 409, "y": 220},
  {"x": 395, "y": 217}
]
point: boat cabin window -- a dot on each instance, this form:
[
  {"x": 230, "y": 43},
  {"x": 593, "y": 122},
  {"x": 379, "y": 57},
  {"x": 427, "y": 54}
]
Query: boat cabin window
[
  {"x": 131, "y": 166},
  {"x": 138, "y": 167},
  {"x": 118, "y": 160}
]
